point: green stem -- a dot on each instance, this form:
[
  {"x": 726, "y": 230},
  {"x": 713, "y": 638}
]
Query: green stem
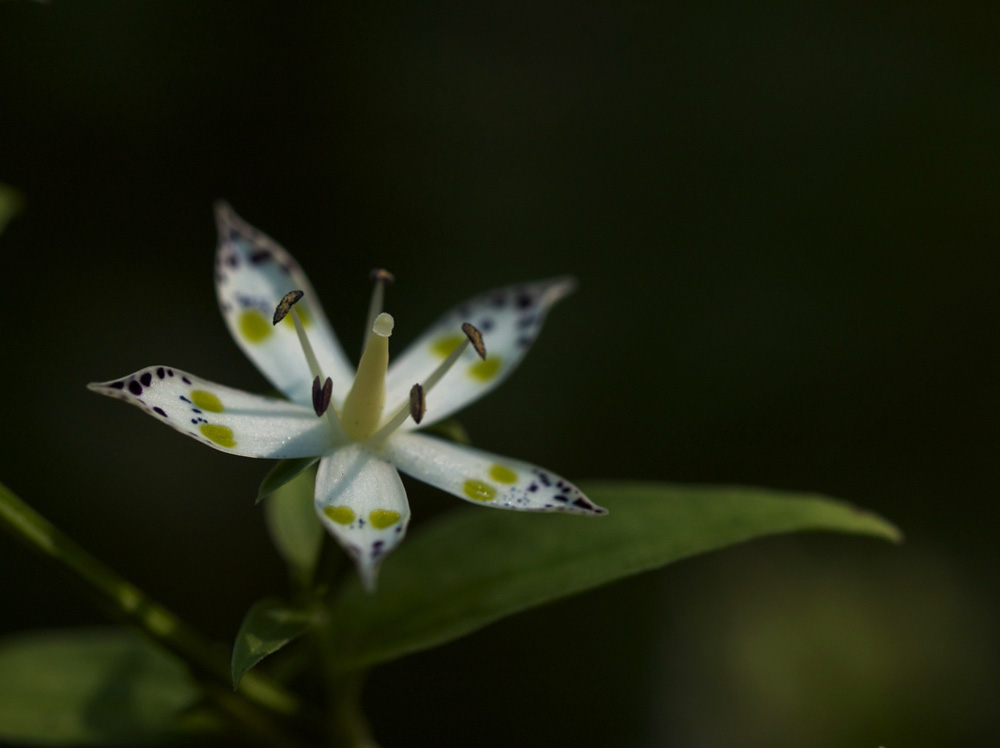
[
  {"x": 348, "y": 724},
  {"x": 127, "y": 602}
]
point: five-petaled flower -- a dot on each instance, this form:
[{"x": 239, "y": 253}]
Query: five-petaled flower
[{"x": 360, "y": 425}]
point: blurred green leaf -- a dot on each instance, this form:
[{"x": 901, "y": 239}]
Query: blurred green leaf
[
  {"x": 11, "y": 203},
  {"x": 293, "y": 526},
  {"x": 450, "y": 429},
  {"x": 126, "y": 601},
  {"x": 282, "y": 473},
  {"x": 268, "y": 626},
  {"x": 472, "y": 567},
  {"x": 88, "y": 686}
]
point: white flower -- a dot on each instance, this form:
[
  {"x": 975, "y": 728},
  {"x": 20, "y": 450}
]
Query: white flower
[{"x": 361, "y": 425}]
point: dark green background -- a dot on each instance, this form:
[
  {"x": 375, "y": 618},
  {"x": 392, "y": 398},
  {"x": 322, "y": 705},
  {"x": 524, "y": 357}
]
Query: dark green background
[{"x": 784, "y": 224}]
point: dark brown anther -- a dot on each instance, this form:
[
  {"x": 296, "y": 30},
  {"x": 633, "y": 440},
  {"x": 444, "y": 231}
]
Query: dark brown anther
[
  {"x": 476, "y": 338},
  {"x": 418, "y": 405},
  {"x": 321, "y": 395},
  {"x": 285, "y": 305},
  {"x": 381, "y": 275}
]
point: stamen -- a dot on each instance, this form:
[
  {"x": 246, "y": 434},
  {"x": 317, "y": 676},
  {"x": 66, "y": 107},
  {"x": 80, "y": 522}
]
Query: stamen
[
  {"x": 363, "y": 405},
  {"x": 321, "y": 395},
  {"x": 286, "y": 305},
  {"x": 289, "y": 300},
  {"x": 382, "y": 278},
  {"x": 418, "y": 403},
  {"x": 476, "y": 338},
  {"x": 473, "y": 337}
]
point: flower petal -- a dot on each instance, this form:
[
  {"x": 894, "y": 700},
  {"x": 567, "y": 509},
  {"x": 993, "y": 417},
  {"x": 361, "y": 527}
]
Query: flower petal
[
  {"x": 226, "y": 419},
  {"x": 485, "y": 478},
  {"x": 361, "y": 502},
  {"x": 510, "y": 319},
  {"x": 252, "y": 274}
]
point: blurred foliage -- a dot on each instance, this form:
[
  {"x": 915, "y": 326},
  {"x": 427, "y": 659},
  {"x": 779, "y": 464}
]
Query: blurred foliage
[
  {"x": 90, "y": 686},
  {"x": 11, "y": 203}
]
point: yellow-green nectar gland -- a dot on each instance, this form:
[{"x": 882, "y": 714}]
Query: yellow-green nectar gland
[{"x": 363, "y": 405}]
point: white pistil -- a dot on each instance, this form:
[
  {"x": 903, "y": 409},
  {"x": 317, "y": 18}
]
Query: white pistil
[
  {"x": 472, "y": 337},
  {"x": 363, "y": 405},
  {"x": 382, "y": 278}
]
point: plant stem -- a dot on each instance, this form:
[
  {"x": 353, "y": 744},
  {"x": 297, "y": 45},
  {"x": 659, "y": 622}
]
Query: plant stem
[{"x": 127, "y": 602}]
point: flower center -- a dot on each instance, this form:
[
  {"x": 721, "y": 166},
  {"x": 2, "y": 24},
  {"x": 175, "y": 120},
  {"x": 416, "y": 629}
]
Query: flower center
[{"x": 360, "y": 418}]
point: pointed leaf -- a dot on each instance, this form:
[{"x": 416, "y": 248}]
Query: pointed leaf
[
  {"x": 269, "y": 625},
  {"x": 472, "y": 567},
  {"x": 90, "y": 686},
  {"x": 292, "y": 524},
  {"x": 282, "y": 473}
]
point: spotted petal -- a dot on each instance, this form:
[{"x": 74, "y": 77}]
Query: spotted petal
[
  {"x": 361, "y": 502},
  {"x": 226, "y": 419},
  {"x": 252, "y": 274},
  {"x": 484, "y": 478},
  {"x": 510, "y": 319}
]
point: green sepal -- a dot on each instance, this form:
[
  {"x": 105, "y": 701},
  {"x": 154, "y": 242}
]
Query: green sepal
[
  {"x": 283, "y": 472},
  {"x": 291, "y": 521},
  {"x": 472, "y": 567},
  {"x": 87, "y": 686},
  {"x": 269, "y": 625}
]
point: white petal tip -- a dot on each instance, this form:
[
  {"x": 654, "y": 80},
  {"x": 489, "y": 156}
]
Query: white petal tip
[
  {"x": 561, "y": 287},
  {"x": 224, "y": 213},
  {"x": 113, "y": 388},
  {"x": 582, "y": 505}
]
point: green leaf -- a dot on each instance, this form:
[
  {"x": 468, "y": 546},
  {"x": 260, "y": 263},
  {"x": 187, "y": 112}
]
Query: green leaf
[
  {"x": 293, "y": 526},
  {"x": 474, "y": 566},
  {"x": 268, "y": 626},
  {"x": 450, "y": 429},
  {"x": 90, "y": 686},
  {"x": 283, "y": 472}
]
